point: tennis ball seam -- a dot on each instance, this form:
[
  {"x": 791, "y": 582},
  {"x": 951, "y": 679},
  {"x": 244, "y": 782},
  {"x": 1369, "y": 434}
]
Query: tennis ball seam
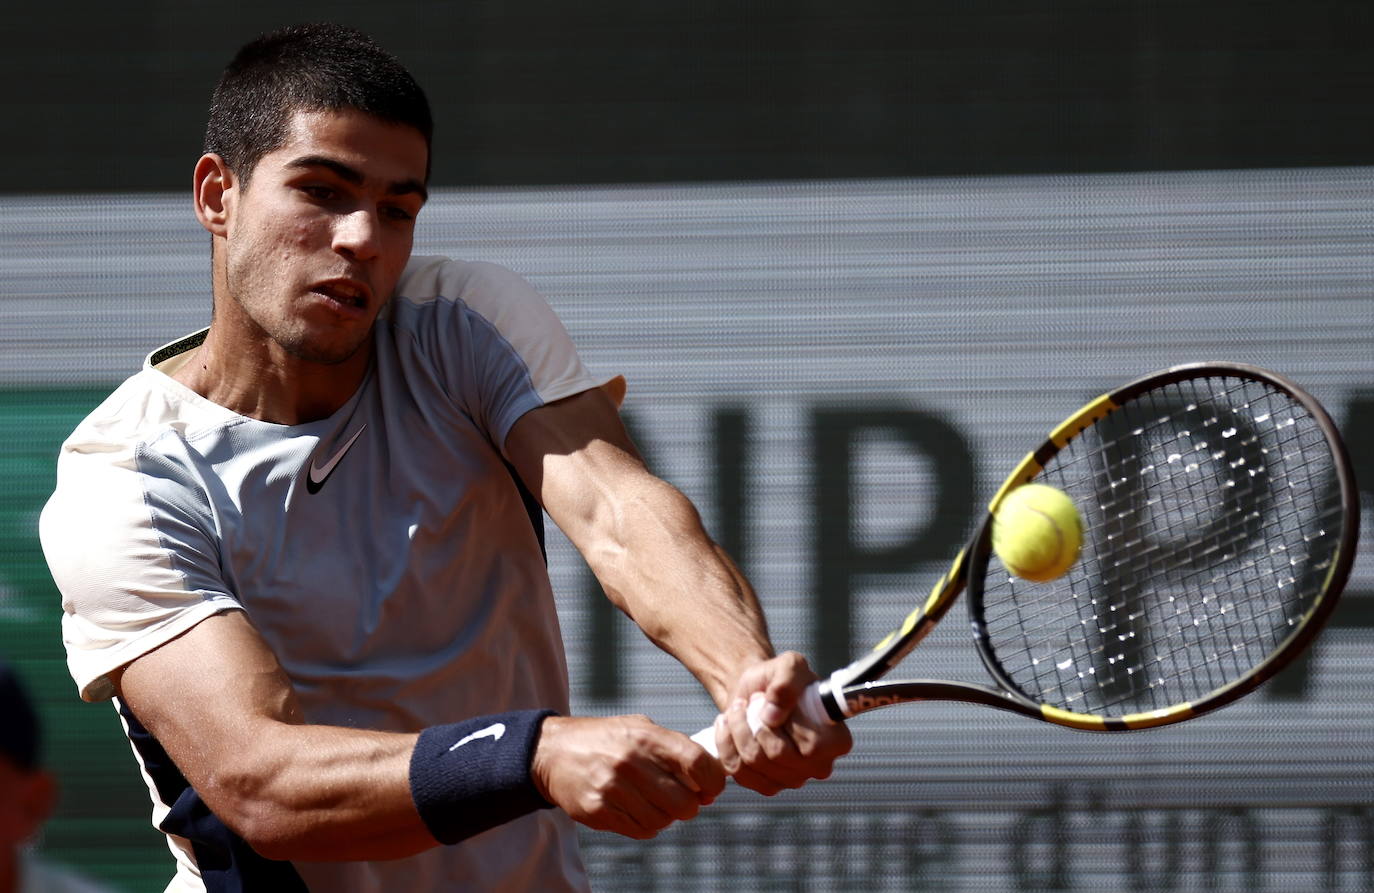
[
  {"x": 1019, "y": 532},
  {"x": 1058, "y": 558}
]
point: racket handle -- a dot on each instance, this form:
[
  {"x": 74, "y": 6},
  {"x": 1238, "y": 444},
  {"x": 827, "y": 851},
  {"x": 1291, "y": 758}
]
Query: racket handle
[{"x": 809, "y": 705}]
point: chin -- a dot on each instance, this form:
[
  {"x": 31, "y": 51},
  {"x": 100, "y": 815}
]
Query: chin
[{"x": 323, "y": 354}]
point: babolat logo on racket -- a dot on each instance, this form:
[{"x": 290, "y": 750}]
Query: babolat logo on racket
[{"x": 859, "y": 703}]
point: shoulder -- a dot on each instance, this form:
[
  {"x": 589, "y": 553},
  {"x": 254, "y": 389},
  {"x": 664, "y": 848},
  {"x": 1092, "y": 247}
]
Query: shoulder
[
  {"x": 129, "y": 533},
  {"x": 111, "y": 449},
  {"x": 127, "y": 487},
  {"x": 487, "y": 324},
  {"x": 502, "y": 298},
  {"x": 427, "y": 277},
  {"x": 146, "y": 407}
]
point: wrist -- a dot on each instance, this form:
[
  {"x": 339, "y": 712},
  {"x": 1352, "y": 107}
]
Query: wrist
[
  {"x": 738, "y": 678},
  {"x": 469, "y": 776}
]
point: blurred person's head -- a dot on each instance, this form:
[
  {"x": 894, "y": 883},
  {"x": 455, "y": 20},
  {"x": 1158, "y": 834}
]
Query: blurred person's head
[{"x": 27, "y": 791}]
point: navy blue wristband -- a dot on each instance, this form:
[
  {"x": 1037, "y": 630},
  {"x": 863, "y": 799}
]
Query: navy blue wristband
[{"x": 473, "y": 775}]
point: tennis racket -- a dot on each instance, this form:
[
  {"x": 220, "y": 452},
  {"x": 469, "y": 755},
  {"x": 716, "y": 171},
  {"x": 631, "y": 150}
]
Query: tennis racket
[{"x": 1220, "y": 516}]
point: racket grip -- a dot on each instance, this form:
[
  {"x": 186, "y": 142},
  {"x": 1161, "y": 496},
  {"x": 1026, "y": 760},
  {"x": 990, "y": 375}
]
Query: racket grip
[{"x": 809, "y": 705}]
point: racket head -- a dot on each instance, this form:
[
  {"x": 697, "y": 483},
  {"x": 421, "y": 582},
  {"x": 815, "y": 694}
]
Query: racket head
[{"x": 1220, "y": 520}]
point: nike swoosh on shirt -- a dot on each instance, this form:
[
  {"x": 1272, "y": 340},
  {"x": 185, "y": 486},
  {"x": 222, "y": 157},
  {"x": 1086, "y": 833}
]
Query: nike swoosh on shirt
[
  {"x": 318, "y": 474},
  {"x": 494, "y": 732}
]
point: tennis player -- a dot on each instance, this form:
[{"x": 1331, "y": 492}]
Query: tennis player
[{"x": 302, "y": 550}]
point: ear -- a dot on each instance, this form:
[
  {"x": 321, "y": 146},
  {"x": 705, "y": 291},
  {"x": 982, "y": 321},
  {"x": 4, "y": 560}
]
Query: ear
[{"x": 213, "y": 193}]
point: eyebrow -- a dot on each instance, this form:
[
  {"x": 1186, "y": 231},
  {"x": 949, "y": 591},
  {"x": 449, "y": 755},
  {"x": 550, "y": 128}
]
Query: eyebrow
[{"x": 355, "y": 177}]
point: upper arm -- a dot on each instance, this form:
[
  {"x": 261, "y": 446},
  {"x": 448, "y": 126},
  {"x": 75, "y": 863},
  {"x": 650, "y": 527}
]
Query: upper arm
[{"x": 577, "y": 458}]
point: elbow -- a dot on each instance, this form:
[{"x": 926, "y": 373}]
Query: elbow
[
  {"x": 272, "y": 842},
  {"x": 254, "y": 805},
  {"x": 242, "y": 799}
]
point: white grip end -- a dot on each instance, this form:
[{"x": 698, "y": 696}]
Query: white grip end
[{"x": 810, "y": 706}]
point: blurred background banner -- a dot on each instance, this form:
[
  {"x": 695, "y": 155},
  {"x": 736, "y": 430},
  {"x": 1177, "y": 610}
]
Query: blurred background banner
[{"x": 853, "y": 260}]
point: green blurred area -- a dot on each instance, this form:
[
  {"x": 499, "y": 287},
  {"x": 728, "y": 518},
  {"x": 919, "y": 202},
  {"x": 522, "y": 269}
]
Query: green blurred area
[{"x": 102, "y": 823}]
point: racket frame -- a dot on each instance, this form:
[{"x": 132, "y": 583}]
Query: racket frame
[{"x": 858, "y": 687}]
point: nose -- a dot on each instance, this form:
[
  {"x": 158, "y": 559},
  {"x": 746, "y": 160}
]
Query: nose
[{"x": 357, "y": 234}]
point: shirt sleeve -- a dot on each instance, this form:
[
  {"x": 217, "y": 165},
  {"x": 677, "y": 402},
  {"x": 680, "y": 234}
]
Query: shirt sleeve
[
  {"x": 499, "y": 347},
  {"x": 130, "y": 544}
]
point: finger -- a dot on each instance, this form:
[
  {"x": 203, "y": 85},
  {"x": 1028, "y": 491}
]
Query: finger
[
  {"x": 781, "y": 681},
  {"x": 790, "y": 675},
  {"x": 821, "y": 744},
  {"x": 705, "y": 772},
  {"x": 725, "y": 744},
  {"x": 776, "y": 744},
  {"x": 648, "y": 798},
  {"x": 664, "y": 791},
  {"x": 689, "y": 767},
  {"x": 740, "y": 736},
  {"x": 637, "y": 820},
  {"x": 650, "y": 804},
  {"x": 754, "y": 767},
  {"x": 605, "y": 810}
]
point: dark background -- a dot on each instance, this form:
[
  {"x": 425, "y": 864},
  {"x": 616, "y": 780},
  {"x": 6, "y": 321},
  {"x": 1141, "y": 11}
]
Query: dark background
[{"x": 112, "y": 97}]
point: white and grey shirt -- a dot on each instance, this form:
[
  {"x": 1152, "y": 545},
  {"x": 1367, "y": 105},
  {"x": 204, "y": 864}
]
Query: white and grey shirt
[{"x": 385, "y": 553}]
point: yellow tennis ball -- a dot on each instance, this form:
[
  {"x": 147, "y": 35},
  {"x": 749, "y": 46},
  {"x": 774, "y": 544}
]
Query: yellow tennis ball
[{"x": 1037, "y": 532}]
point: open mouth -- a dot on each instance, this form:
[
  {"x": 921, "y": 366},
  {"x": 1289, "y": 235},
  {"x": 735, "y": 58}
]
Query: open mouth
[{"x": 346, "y": 293}]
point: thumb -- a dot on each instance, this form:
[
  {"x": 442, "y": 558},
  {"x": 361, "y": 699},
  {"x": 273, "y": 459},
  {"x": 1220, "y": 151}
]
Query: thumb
[{"x": 781, "y": 694}]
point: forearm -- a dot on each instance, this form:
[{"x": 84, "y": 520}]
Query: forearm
[
  {"x": 646, "y": 544},
  {"x": 642, "y": 538},
  {"x": 320, "y": 793},
  {"x": 658, "y": 564}
]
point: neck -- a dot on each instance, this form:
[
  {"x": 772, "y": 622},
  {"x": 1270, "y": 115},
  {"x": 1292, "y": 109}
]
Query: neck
[{"x": 268, "y": 384}]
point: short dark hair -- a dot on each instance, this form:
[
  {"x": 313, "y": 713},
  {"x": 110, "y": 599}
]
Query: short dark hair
[{"x": 314, "y": 67}]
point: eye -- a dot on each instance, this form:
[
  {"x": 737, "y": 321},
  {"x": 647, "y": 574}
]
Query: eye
[
  {"x": 397, "y": 213},
  {"x": 318, "y": 193}
]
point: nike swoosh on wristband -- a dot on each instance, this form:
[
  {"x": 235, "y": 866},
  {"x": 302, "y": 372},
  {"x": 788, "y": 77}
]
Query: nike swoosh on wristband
[
  {"x": 318, "y": 474},
  {"x": 494, "y": 732}
]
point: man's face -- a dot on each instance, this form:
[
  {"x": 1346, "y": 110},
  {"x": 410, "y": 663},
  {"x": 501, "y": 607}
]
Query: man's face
[{"x": 316, "y": 241}]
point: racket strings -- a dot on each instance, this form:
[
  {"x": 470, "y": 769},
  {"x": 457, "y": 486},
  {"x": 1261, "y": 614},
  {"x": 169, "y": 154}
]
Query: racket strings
[
  {"x": 1211, "y": 521},
  {"x": 1193, "y": 636}
]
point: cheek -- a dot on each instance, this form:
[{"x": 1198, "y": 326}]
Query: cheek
[
  {"x": 277, "y": 228},
  {"x": 305, "y": 233}
]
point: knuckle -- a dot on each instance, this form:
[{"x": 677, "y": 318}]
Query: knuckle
[{"x": 592, "y": 804}]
